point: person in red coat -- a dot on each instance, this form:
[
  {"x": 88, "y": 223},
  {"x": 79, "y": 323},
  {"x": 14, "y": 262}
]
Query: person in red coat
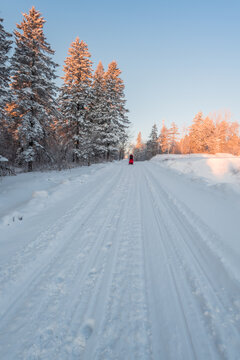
[{"x": 131, "y": 159}]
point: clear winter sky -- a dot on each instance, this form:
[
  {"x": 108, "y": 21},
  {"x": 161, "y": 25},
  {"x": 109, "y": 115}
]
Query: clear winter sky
[{"x": 177, "y": 56}]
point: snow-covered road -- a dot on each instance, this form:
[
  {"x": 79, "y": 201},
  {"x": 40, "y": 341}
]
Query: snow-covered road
[{"x": 123, "y": 262}]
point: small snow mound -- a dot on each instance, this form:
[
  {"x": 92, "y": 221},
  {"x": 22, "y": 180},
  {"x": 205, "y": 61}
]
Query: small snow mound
[
  {"x": 40, "y": 194},
  {"x": 93, "y": 271},
  {"x": 223, "y": 164},
  {"x": 88, "y": 328},
  {"x": 3, "y": 159}
]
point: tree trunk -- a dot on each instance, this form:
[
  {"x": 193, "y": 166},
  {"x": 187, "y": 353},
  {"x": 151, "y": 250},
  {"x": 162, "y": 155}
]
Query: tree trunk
[{"x": 30, "y": 163}]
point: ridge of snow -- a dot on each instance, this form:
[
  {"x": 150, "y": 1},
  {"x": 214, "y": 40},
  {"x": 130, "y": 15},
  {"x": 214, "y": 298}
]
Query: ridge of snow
[{"x": 215, "y": 169}]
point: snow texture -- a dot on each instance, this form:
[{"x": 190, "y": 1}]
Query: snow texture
[
  {"x": 214, "y": 169},
  {"x": 121, "y": 262},
  {"x": 3, "y": 159}
]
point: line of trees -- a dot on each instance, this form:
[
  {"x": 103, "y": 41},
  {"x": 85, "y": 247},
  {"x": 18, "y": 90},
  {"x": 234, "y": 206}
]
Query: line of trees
[
  {"x": 211, "y": 134},
  {"x": 84, "y": 121}
]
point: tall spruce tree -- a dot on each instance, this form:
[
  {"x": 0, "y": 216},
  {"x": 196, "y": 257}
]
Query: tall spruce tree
[
  {"x": 74, "y": 100},
  {"x": 116, "y": 132},
  {"x": 173, "y": 134},
  {"x": 139, "y": 142},
  {"x": 153, "y": 141},
  {"x": 220, "y": 135},
  {"x": 233, "y": 140},
  {"x": 196, "y": 134},
  {"x": 139, "y": 149},
  {"x": 99, "y": 113},
  {"x": 164, "y": 139},
  {"x": 33, "y": 88},
  {"x": 5, "y": 46},
  {"x": 208, "y": 135}
]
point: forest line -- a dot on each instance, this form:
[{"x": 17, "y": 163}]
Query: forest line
[
  {"x": 82, "y": 122},
  {"x": 210, "y": 134}
]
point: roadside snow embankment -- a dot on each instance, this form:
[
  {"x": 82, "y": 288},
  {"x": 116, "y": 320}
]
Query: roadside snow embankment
[
  {"x": 29, "y": 194},
  {"x": 214, "y": 169}
]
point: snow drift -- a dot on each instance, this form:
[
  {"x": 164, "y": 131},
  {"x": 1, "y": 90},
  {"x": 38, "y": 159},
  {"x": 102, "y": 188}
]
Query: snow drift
[{"x": 214, "y": 169}]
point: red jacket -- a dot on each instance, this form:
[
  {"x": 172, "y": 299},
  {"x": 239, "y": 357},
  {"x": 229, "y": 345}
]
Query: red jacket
[{"x": 131, "y": 159}]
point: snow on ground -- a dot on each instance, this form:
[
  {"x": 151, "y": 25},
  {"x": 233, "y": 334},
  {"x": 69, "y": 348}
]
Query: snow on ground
[
  {"x": 215, "y": 169},
  {"x": 3, "y": 159},
  {"x": 120, "y": 262}
]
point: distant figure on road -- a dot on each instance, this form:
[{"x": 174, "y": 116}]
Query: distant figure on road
[{"x": 131, "y": 159}]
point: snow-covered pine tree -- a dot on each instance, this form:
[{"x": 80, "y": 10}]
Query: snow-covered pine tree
[
  {"x": 5, "y": 46},
  {"x": 220, "y": 135},
  {"x": 196, "y": 134},
  {"x": 99, "y": 113},
  {"x": 33, "y": 88},
  {"x": 139, "y": 143},
  {"x": 116, "y": 133},
  {"x": 173, "y": 134},
  {"x": 184, "y": 143},
  {"x": 139, "y": 149},
  {"x": 153, "y": 146},
  {"x": 164, "y": 140},
  {"x": 233, "y": 139},
  {"x": 74, "y": 100},
  {"x": 208, "y": 135}
]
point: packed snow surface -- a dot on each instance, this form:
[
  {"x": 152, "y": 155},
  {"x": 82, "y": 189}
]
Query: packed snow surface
[{"x": 122, "y": 262}]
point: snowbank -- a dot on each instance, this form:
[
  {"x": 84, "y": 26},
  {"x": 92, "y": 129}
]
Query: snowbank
[
  {"x": 214, "y": 169},
  {"x": 29, "y": 194},
  {"x": 3, "y": 159}
]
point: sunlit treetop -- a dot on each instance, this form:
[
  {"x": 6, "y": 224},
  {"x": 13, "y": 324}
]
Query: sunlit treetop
[
  {"x": 78, "y": 67},
  {"x": 32, "y": 31},
  {"x": 112, "y": 76},
  {"x": 99, "y": 73}
]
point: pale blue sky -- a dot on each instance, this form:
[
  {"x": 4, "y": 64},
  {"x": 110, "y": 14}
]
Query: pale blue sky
[{"x": 177, "y": 56}]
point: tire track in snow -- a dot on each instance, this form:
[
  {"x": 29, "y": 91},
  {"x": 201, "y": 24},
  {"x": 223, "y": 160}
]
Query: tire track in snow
[
  {"x": 84, "y": 314},
  {"x": 171, "y": 336},
  {"x": 124, "y": 330},
  {"x": 222, "y": 326},
  {"x": 46, "y": 238},
  {"x": 44, "y": 269},
  {"x": 131, "y": 276},
  {"x": 198, "y": 246}
]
